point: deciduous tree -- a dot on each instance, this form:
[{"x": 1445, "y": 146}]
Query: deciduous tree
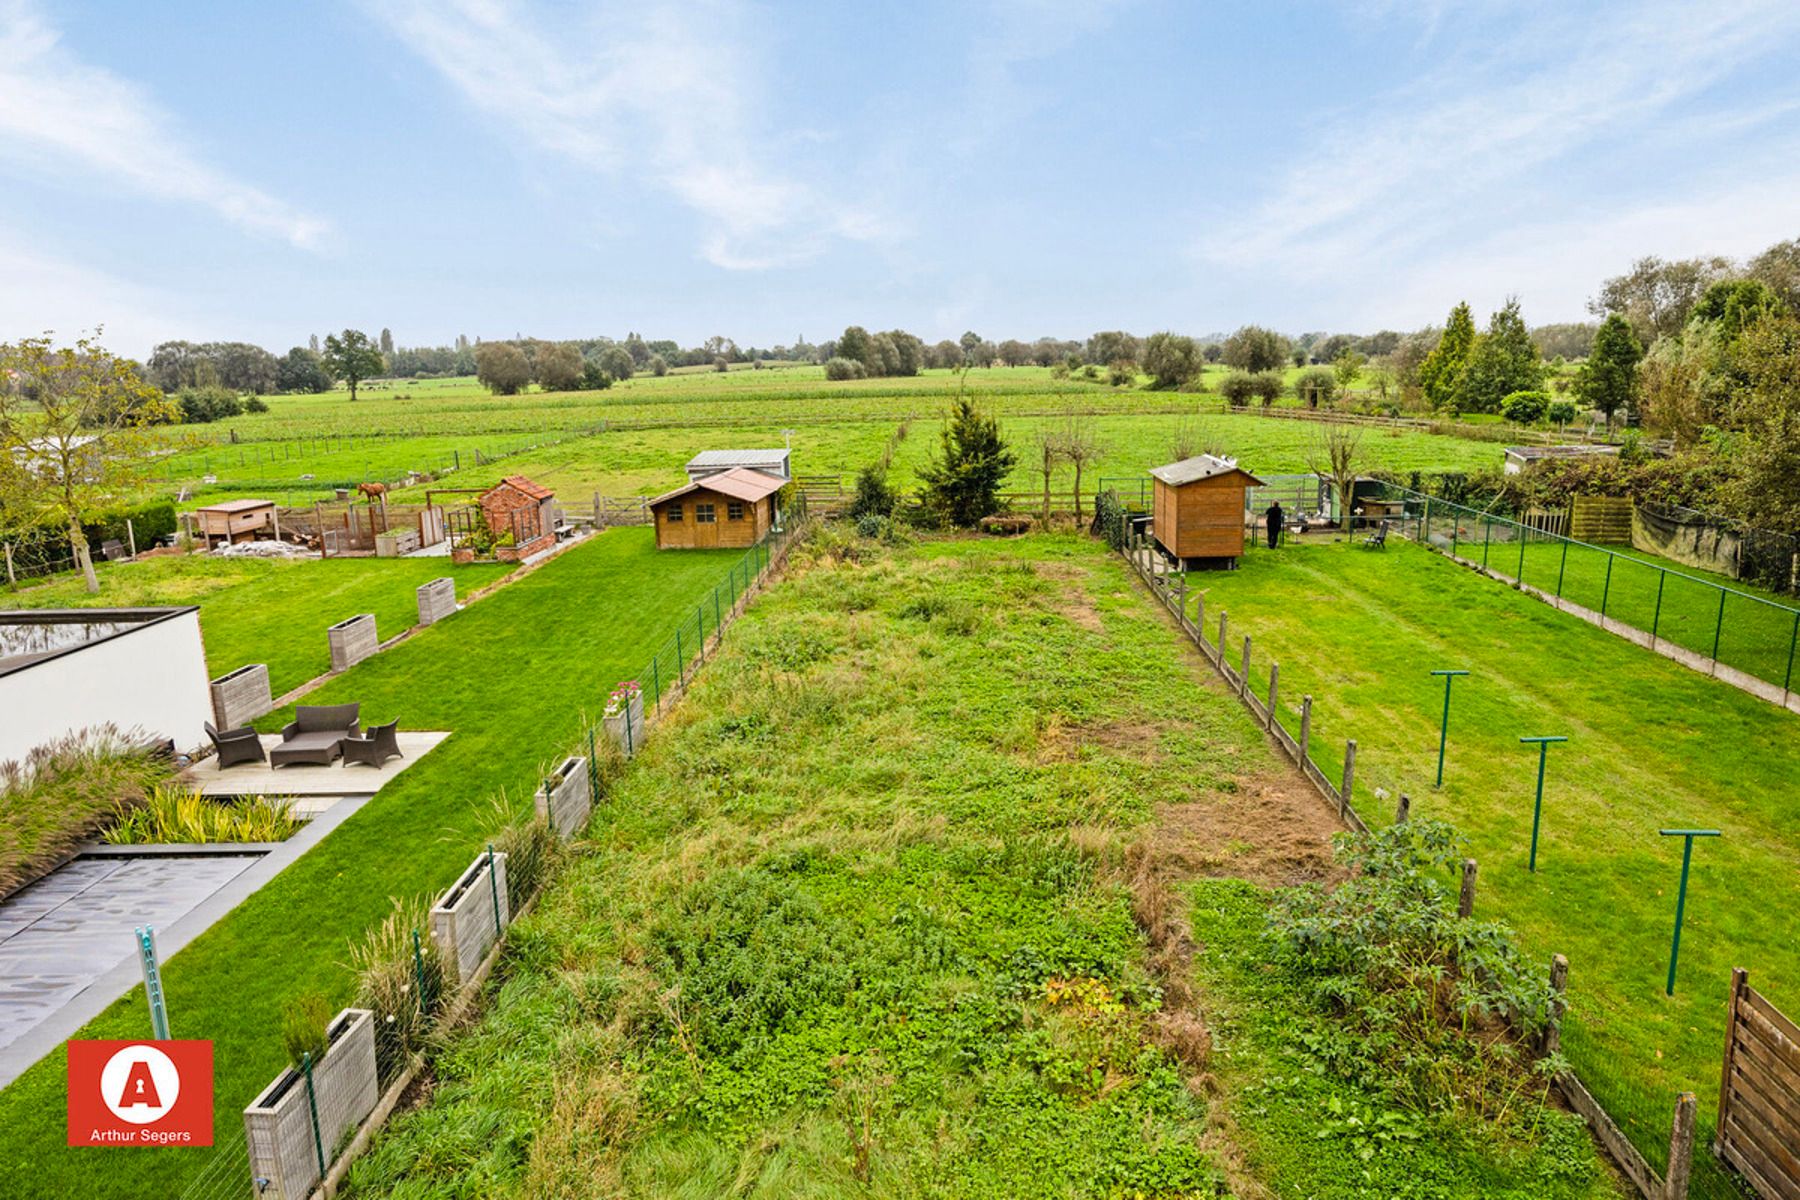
[
  {"x": 75, "y": 435},
  {"x": 502, "y": 368},
  {"x": 351, "y": 357},
  {"x": 1171, "y": 358},
  {"x": 1255, "y": 349}
]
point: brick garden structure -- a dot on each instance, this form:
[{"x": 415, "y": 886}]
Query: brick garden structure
[{"x": 522, "y": 508}]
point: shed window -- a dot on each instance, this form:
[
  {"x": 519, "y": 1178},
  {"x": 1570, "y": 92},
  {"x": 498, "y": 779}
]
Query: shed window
[
  {"x": 674, "y": 513},
  {"x": 734, "y": 511},
  {"x": 703, "y": 514}
]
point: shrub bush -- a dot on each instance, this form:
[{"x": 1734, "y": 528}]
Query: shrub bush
[
  {"x": 1237, "y": 388},
  {"x": 1122, "y": 373},
  {"x": 1561, "y": 412},
  {"x": 1415, "y": 1000},
  {"x": 202, "y": 405},
  {"x": 255, "y": 404},
  {"x": 874, "y": 498},
  {"x": 1316, "y": 387},
  {"x": 839, "y": 369},
  {"x": 1526, "y": 408}
]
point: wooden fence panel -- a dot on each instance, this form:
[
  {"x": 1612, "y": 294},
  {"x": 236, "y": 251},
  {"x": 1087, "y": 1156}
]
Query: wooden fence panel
[{"x": 1759, "y": 1094}]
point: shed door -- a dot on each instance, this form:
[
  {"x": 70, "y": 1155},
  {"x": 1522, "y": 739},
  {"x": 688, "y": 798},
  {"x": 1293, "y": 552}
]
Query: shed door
[{"x": 707, "y": 515}]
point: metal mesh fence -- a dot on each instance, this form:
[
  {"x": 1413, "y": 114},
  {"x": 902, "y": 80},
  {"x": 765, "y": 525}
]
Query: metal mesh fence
[{"x": 1697, "y": 621}]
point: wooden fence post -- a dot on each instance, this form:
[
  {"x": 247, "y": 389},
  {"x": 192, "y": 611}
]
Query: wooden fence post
[
  {"x": 1200, "y": 619},
  {"x": 11, "y": 579},
  {"x": 1681, "y": 1149},
  {"x": 1223, "y": 617},
  {"x": 131, "y": 537},
  {"x": 1465, "y": 904},
  {"x": 1305, "y": 729},
  {"x": 1403, "y": 809},
  {"x": 1274, "y": 678},
  {"x": 1740, "y": 979},
  {"x": 1559, "y": 983},
  {"x": 1349, "y": 777},
  {"x": 1244, "y": 671}
]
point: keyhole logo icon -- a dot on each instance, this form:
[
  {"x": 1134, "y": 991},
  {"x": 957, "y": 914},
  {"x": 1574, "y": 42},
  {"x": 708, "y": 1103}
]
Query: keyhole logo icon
[{"x": 140, "y": 1084}]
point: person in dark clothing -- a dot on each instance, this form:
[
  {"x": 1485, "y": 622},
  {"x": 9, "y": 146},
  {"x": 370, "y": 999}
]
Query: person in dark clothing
[{"x": 1274, "y": 520}]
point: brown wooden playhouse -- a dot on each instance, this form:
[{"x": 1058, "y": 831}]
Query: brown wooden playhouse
[
  {"x": 1198, "y": 512},
  {"x": 732, "y": 508}
]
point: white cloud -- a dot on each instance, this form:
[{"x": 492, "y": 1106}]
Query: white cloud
[
  {"x": 668, "y": 86},
  {"x": 61, "y": 112},
  {"x": 45, "y": 294},
  {"x": 1404, "y": 192}
]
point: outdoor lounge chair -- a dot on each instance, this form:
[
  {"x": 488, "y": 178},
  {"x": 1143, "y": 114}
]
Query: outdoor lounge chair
[
  {"x": 377, "y": 744},
  {"x": 316, "y": 734},
  {"x": 240, "y": 745},
  {"x": 1378, "y": 539}
]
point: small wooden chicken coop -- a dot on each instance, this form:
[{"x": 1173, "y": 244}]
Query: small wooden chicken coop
[{"x": 1198, "y": 511}]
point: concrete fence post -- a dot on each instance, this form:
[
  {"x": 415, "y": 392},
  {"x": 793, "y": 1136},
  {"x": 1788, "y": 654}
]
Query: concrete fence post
[
  {"x": 1274, "y": 679},
  {"x": 1465, "y": 903},
  {"x": 1244, "y": 670},
  {"x": 1305, "y": 729},
  {"x": 1349, "y": 777},
  {"x": 1681, "y": 1149}
]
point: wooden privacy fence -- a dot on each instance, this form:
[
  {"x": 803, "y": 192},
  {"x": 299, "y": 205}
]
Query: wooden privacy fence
[{"x": 1759, "y": 1094}]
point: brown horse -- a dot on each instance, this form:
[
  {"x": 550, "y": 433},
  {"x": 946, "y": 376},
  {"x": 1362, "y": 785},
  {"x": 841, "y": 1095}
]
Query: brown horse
[{"x": 372, "y": 491}]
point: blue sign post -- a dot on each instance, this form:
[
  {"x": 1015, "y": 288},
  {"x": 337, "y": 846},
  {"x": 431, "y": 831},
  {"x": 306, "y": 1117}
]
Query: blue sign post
[
  {"x": 1444, "y": 732},
  {"x": 1687, "y": 858},
  {"x": 1537, "y": 810}
]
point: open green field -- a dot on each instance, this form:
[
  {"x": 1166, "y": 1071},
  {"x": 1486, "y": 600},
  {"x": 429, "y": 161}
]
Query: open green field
[
  {"x": 645, "y": 462},
  {"x": 1652, "y": 745},
  {"x": 633, "y": 438},
  {"x": 512, "y": 677},
  {"x": 270, "y": 611},
  {"x": 859, "y": 921}
]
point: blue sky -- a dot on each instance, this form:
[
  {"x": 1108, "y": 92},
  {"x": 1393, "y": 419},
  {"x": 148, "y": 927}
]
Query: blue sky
[{"x": 1020, "y": 167}]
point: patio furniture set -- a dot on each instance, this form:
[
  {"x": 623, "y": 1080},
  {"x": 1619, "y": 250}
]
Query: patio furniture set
[{"x": 318, "y": 735}]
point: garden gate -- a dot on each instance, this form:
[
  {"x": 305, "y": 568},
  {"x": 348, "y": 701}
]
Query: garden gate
[{"x": 1759, "y": 1095}]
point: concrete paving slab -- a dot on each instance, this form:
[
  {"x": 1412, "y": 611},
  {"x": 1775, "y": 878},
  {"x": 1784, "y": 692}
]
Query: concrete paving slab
[{"x": 260, "y": 779}]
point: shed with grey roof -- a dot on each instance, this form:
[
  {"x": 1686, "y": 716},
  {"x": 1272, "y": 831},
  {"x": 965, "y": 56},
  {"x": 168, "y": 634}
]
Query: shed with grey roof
[
  {"x": 1198, "y": 512},
  {"x": 770, "y": 462}
]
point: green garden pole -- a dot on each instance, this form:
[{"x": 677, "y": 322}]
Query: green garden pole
[
  {"x": 1662, "y": 578},
  {"x": 1519, "y": 576},
  {"x": 718, "y": 625},
  {"x": 1687, "y": 858},
  {"x": 1793, "y": 640},
  {"x": 1455, "y": 532},
  {"x": 1607, "y": 590},
  {"x": 312, "y": 1102},
  {"x": 656, "y": 677},
  {"x": 1487, "y": 539},
  {"x": 1426, "y": 540},
  {"x": 1537, "y": 810},
  {"x": 494, "y": 886},
  {"x": 594, "y": 767},
  {"x": 680, "y": 658},
  {"x": 1719, "y": 625},
  {"x": 1444, "y": 732}
]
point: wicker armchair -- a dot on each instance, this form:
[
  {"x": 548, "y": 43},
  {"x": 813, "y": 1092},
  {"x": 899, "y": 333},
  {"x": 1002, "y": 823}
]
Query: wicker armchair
[
  {"x": 240, "y": 745},
  {"x": 378, "y": 744}
]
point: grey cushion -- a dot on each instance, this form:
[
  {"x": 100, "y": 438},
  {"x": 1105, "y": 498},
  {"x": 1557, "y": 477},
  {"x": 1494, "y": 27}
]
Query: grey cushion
[{"x": 317, "y": 718}]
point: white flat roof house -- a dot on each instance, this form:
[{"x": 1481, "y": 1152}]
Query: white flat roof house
[
  {"x": 776, "y": 462},
  {"x": 71, "y": 668}
]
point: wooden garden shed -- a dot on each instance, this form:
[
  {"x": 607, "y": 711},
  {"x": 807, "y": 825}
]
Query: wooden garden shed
[
  {"x": 732, "y": 508},
  {"x": 1197, "y": 514},
  {"x": 232, "y": 521}
]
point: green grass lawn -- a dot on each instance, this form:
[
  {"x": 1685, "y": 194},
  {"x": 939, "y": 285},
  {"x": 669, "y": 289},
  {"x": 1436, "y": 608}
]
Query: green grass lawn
[
  {"x": 816, "y": 941},
  {"x": 1652, "y": 744},
  {"x": 266, "y": 610},
  {"x": 1713, "y": 615},
  {"x": 512, "y": 677}
]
